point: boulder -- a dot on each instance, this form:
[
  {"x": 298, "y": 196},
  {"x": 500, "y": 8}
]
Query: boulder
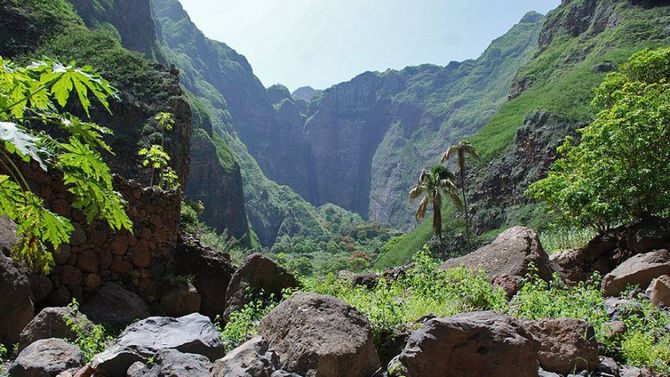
[
  {"x": 41, "y": 287},
  {"x": 659, "y": 291},
  {"x": 257, "y": 274},
  {"x": 254, "y": 358},
  {"x": 283, "y": 373},
  {"x": 316, "y": 335},
  {"x": 566, "y": 344},
  {"x": 628, "y": 371},
  {"x": 618, "y": 309},
  {"x": 115, "y": 306},
  {"x": 211, "y": 271},
  {"x": 46, "y": 357},
  {"x": 474, "y": 344},
  {"x": 510, "y": 254},
  {"x": 52, "y": 323},
  {"x": 648, "y": 235},
  {"x": 639, "y": 270},
  {"x": 17, "y": 308},
  {"x": 142, "y": 340},
  {"x": 172, "y": 363},
  {"x": 8, "y": 236},
  {"x": 181, "y": 299}
]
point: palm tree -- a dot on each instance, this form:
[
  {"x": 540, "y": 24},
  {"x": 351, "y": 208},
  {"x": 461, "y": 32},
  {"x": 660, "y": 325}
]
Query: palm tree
[
  {"x": 434, "y": 185},
  {"x": 460, "y": 150}
]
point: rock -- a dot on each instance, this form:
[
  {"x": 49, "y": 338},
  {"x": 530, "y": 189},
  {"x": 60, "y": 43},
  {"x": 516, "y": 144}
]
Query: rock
[
  {"x": 543, "y": 373},
  {"x": 211, "y": 271},
  {"x": 59, "y": 297},
  {"x": 180, "y": 300},
  {"x": 659, "y": 291},
  {"x": 614, "y": 329},
  {"x": 257, "y": 274},
  {"x": 618, "y": 309},
  {"x": 607, "y": 367},
  {"x": 115, "y": 306},
  {"x": 193, "y": 333},
  {"x": 16, "y": 309},
  {"x": 470, "y": 344},
  {"x": 51, "y": 323},
  {"x": 172, "y": 363},
  {"x": 604, "y": 67},
  {"x": 628, "y": 371},
  {"x": 41, "y": 287},
  {"x": 510, "y": 284},
  {"x": 510, "y": 254},
  {"x": 639, "y": 270},
  {"x": 253, "y": 358},
  {"x": 283, "y": 373},
  {"x": 648, "y": 235},
  {"x": 317, "y": 335},
  {"x": 566, "y": 344},
  {"x": 46, "y": 357},
  {"x": 8, "y": 236}
]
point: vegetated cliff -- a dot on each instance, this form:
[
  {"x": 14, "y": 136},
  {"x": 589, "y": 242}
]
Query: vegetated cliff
[
  {"x": 550, "y": 97},
  {"x": 145, "y": 88},
  {"x": 259, "y": 127}
]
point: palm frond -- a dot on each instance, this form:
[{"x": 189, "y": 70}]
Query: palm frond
[
  {"x": 451, "y": 151},
  {"x": 469, "y": 149},
  {"x": 421, "y": 210}
]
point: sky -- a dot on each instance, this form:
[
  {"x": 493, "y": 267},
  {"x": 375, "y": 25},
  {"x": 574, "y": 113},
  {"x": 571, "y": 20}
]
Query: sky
[{"x": 323, "y": 42}]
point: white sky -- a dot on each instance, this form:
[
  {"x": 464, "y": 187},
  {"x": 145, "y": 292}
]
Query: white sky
[{"x": 324, "y": 42}]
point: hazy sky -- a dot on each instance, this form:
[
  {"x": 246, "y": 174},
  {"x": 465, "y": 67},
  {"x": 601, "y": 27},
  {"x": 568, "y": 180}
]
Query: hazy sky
[{"x": 324, "y": 42}]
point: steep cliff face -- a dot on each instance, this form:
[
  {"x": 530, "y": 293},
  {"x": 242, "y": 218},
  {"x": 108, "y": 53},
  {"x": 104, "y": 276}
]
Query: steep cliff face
[{"x": 371, "y": 136}]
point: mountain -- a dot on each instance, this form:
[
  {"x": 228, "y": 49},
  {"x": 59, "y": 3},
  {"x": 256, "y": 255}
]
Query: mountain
[{"x": 305, "y": 93}]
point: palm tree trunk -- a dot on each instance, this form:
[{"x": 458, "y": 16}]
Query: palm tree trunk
[
  {"x": 465, "y": 205},
  {"x": 437, "y": 220}
]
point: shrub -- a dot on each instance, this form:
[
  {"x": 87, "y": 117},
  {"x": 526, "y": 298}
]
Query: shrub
[
  {"x": 91, "y": 340},
  {"x": 620, "y": 170},
  {"x": 243, "y": 324}
]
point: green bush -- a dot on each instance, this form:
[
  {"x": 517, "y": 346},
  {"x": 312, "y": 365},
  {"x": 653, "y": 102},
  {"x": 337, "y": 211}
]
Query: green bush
[
  {"x": 91, "y": 340},
  {"x": 243, "y": 324}
]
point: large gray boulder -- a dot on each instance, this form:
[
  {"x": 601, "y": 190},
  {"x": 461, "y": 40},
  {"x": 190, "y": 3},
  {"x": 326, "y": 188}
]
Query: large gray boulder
[
  {"x": 508, "y": 256},
  {"x": 52, "y": 323},
  {"x": 193, "y": 333},
  {"x": 566, "y": 345},
  {"x": 638, "y": 271},
  {"x": 181, "y": 299},
  {"x": 46, "y": 358},
  {"x": 659, "y": 291},
  {"x": 257, "y": 274},
  {"x": 479, "y": 344},
  {"x": 316, "y": 335},
  {"x": 16, "y": 309},
  {"x": 254, "y": 358},
  {"x": 115, "y": 306},
  {"x": 172, "y": 363}
]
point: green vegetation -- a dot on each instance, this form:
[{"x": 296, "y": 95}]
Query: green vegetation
[
  {"x": 555, "y": 239},
  {"x": 91, "y": 339},
  {"x": 157, "y": 159},
  {"x": 433, "y": 185},
  {"x": 460, "y": 150},
  {"x": 242, "y": 324},
  {"x": 36, "y": 95},
  {"x": 620, "y": 170}
]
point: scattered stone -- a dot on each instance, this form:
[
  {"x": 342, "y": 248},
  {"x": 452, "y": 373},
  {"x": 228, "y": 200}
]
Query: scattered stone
[
  {"x": 510, "y": 254},
  {"x": 543, "y": 373},
  {"x": 193, "y": 333},
  {"x": 650, "y": 235},
  {"x": 659, "y": 291},
  {"x": 566, "y": 344},
  {"x": 628, "y": 371},
  {"x": 115, "y": 306},
  {"x": 257, "y": 274},
  {"x": 316, "y": 335},
  {"x": 510, "y": 284},
  {"x": 614, "y": 329},
  {"x": 16, "y": 309},
  {"x": 604, "y": 67},
  {"x": 46, "y": 357},
  {"x": 52, "y": 323},
  {"x": 618, "y": 309},
  {"x": 172, "y": 363},
  {"x": 253, "y": 358},
  {"x": 639, "y": 270},
  {"x": 607, "y": 367},
  {"x": 283, "y": 373},
  {"x": 469, "y": 344},
  {"x": 180, "y": 300}
]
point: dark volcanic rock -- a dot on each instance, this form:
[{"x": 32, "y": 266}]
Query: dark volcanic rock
[
  {"x": 52, "y": 323},
  {"x": 115, "y": 306},
  {"x": 254, "y": 358},
  {"x": 257, "y": 274},
  {"x": 190, "y": 334},
  {"x": 16, "y": 309},
  {"x": 172, "y": 363},
  {"x": 317, "y": 335},
  {"x": 46, "y": 358},
  {"x": 639, "y": 270},
  {"x": 480, "y": 344}
]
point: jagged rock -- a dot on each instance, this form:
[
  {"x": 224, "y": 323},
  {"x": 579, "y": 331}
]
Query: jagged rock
[
  {"x": 608, "y": 367},
  {"x": 40, "y": 287},
  {"x": 628, "y": 371},
  {"x": 283, "y": 373},
  {"x": 510, "y": 254},
  {"x": 566, "y": 344},
  {"x": 115, "y": 306},
  {"x": 17, "y": 308},
  {"x": 172, "y": 363},
  {"x": 211, "y": 271},
  {"x": 543, "y": 373},
  {"x": 604, "y": 67},
  {"x": 614, "y": 329},
  {"x": 618, "y": 309},
  {"x": 257, "y": 274},
  {"x": 8, "y": 236},
  {"x": 471, "y": 344},
  {"x": 317, "y": 335},
  {"x": 639, "y": 270},
  {"x": 193, "y": 333},
  {"x": 254, "y": 358},
  {"x": 659, "y": 291},
  {"x": 649, "y": 235},
  {"x": 52, "y": 323},
  {"x": 46, "y": 357},
  {"x": 180, "y": 300}
]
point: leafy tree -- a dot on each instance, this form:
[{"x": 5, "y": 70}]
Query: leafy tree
[
  {"x": 157, "y": 159},
  {"x": 620, "y": 170},
  {"x": 433, "y": 185},
  {"x": 32, "y": 100},
  {"x": 460, "y": 150}
]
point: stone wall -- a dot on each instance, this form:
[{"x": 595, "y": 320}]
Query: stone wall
[{"x": 96, "y": 254}]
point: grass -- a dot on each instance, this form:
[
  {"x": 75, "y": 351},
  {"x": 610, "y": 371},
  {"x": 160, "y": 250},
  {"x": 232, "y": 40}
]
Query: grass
[{"x": 557, "y": 239}]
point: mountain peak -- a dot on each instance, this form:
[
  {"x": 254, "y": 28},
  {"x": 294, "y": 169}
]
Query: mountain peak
[
  {"x": 305, "y": 93},
  {"x": 532, "y": 17}
]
